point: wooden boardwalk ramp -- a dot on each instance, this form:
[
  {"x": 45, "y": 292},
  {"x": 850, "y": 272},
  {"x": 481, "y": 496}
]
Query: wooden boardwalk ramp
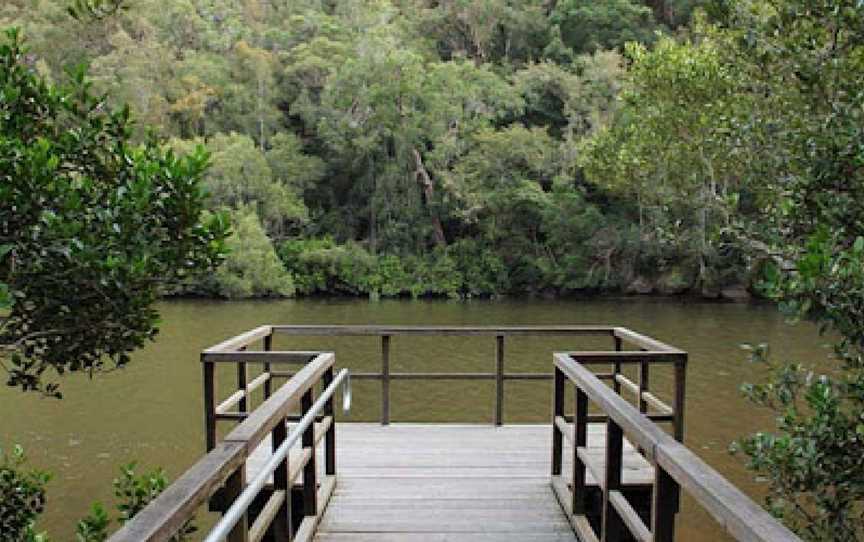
[{"x": 413, "y": 482}]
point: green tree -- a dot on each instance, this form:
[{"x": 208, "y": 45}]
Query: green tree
[
  {"x": 91, "y": 227},
  {"x": 808, "y": 56},
  {"x": 240, "y": 175},
  {"x": 516, "y": 189},
  {"x": 136, "y": 72},
  {"x": 96, "y": 9},
  {"x": 670, "y": 148},
  {"x": 291, "y": 165},
  {"x": 587, "y": 26},
  {"x": 399, "y": 119},
  {"x": 499, "y": 31},
  {"x": 22, "y": 497},
  {"x": 572, "y": 101},
  {"x": 250, "y": 102},
  {"x": 252, "y": 268}
]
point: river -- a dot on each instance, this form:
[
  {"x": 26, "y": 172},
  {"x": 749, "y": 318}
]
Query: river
[{"x": 151, "y": 411}]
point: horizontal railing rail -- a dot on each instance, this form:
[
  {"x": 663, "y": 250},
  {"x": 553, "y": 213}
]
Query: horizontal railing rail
[
  {"x": 238, "y": 351},
  {"x": 675, "y": 468},
  {"x": 223, "y": 469}
]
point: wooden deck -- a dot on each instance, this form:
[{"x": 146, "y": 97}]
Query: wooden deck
[
  {"x": 577, "y": 476},
  {"x": 443, "y": 482},
  {"x": 408, "y": 482}
]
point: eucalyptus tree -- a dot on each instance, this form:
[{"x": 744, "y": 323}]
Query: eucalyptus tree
[
  {"x": 573, "y": 101},
  {"x": 669, "y": 147},
  {"x": 590, "y": 25},
  {"x": 250, "y": 104},
  {"x": 240, "y": 175},
  {"x": 506, "y": 32},
  {"x": 400, "y": 117},
  {"x": 292, "y": 165},
  {"x": 137, "y": 70}
]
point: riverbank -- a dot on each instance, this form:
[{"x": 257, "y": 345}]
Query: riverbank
[
  {"x": 466, "y": 269},
  {"x": 641, "y": 292}
]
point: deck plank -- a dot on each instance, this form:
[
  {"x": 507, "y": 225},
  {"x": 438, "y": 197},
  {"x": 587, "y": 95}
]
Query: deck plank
[
  {"x": 452, "y": 483},
  {"x": 449, "y": 483}
]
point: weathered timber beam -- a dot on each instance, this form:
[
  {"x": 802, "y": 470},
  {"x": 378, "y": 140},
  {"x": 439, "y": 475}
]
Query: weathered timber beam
[
  {"x": 259, "y": 356},
  {"x": 361, "y": 330},
  {"x": 239, "y": 341}
]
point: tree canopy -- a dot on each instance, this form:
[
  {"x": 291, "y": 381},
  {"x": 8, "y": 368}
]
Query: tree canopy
[{"x": 371, "y": 122}]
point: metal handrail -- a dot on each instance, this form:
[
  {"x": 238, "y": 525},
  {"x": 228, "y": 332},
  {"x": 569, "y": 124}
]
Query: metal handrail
[{"x": 242, "y": 503}]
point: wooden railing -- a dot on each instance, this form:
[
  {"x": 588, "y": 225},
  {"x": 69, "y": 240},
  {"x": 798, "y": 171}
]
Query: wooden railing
[
  {"x": 674, "y": 466},
  {"x": 236, "y": 350},
  {"x": 223, "y": 469}
]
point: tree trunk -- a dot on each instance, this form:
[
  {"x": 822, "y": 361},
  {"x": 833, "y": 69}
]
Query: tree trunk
[
  {"x": 425, "y": 182},
  {"x": 261, "y": 113},
  {"x": 662, "y": 11},
  {"x": 373, "y": 216}
]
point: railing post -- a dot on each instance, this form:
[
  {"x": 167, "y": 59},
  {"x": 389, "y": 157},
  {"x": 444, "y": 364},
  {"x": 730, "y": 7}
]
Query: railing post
[
  {"x": 557, "y": 410},
  {"x": 664, "y": 505},
  {"x": 233, "y": 488},
  {"x": 310, "y": 482},
  {"x": 282, "y": 522},
  {"x": 680, "y": 384},
  {"x": 268, "y": 385},
  {"x": 330, "y": 437},
  {"x": 242, "y": 378},
  {"x": 499, "y": 380},
  {"x": 616, "y": 367},
  {"x": 612, "y": 525},
  {"x": 580, "y": 440},
  {"x": 385, "y": 379},
  {"x": 209, "y": 403},
  {"x": 644, "y": 367}
]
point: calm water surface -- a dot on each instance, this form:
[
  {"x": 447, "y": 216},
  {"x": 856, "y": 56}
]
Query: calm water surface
[{"x": 152, "y": 411}]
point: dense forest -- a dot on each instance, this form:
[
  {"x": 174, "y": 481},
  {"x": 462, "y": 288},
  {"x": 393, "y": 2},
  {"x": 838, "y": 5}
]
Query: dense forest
[{"x": 417, "y": 147}]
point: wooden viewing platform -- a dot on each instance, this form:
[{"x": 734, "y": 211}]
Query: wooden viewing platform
[{"x": 602, "y": 469}]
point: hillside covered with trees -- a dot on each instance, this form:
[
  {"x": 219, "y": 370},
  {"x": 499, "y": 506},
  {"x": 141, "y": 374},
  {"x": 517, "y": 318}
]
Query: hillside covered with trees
[{"x": 411, "y": 147}]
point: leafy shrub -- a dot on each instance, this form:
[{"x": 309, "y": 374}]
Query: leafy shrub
[
  {"x": 320, "y": 265},
  {"x": 22, "y": 501},
  {"x": 434, "y": 275},
  {"x": 93, "y": 527},
  {"x": 481, "y": 269},
  {"x": 22, "y": 497},
  {"x": 134, "y": 492},
  {"x": 389, "y": 277},
  {"x": 252, "y": 268}
]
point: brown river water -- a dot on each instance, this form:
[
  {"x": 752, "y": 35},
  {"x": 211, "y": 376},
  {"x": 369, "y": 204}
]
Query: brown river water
[{"x": 152, "y": 411}]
